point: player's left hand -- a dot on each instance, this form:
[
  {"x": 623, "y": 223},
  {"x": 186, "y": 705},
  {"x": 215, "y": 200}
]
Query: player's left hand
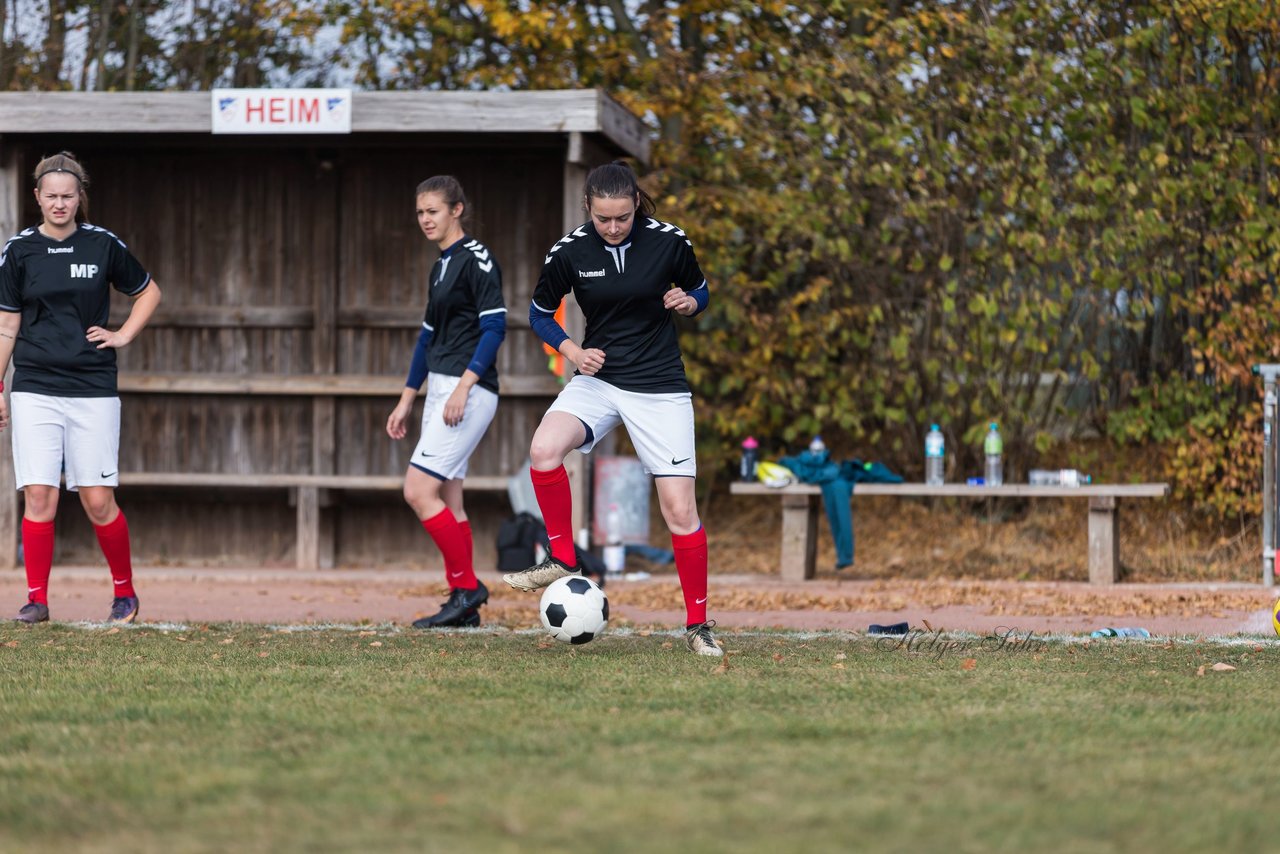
[
  {"x": 455, "y": 406},
  {"x": 679, "y": 302},
  {"x": 105, "y": 338}
]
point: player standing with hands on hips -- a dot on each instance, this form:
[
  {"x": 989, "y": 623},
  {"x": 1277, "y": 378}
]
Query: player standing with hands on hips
[
  {"x": 630, "y": 274},
  {"x": 55, "y": 298},
  {"x": 456, "y": 354}
]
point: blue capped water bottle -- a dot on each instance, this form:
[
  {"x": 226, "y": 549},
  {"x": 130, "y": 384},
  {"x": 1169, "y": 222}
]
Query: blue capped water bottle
[{"x": 934, "y": 456}]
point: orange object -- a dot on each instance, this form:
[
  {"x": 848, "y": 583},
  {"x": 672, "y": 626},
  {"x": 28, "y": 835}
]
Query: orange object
[{"x": 556, "y": 360}]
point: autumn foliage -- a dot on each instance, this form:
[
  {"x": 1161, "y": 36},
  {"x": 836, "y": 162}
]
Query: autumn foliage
[{"x": 1056, "y": 214}]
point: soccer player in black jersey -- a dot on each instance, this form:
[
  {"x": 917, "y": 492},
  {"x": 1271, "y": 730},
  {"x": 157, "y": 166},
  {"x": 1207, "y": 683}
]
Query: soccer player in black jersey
[
  {"x": 55, "y": 281},
  {"x": 457, "y": 349},
  {"x": 630, "y": 273}
]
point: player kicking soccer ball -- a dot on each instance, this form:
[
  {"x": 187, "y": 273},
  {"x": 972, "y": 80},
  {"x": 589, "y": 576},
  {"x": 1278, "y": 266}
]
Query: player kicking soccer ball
[
  {"x": 54, "y": 299},
  {"x": 630, "y": 274}
]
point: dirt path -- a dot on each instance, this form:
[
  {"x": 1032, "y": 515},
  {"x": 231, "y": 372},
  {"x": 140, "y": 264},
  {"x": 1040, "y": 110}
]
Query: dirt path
[{"x": 738, "y": 601}]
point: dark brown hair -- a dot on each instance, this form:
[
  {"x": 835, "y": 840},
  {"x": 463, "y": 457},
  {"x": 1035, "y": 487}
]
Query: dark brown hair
[
  {"x": 616, "y": 181},
  {"x": 65, "y": 162}
]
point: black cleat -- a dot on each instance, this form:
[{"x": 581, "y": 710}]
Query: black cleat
[
  {"x": 461, "y": 606},
  {"x": 33, "y": 612},
  {"x": 124, "y": 609}
]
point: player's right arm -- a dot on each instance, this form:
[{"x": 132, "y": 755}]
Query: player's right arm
[
  {"x": 554, "y": 284},
  {"x": 418, "y": 365}
]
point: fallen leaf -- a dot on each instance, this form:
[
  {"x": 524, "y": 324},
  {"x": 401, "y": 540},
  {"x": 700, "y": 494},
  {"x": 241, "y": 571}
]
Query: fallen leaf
[
  {"x": 12, "y": 644},
  {"x": 227, "y": 641},
  {"x": 840, "y": 656},
  {"x": 969, "y": 664},
  {"x": 114, "y": 631},
  {"x": 263, "y": 654},
  {"x": 367, "y": 634},
  {"x": 544, "y": 645},
  {"x": 839, "y": 665},
  {"x": 376, "y": 643},
  {"x": 724, "y": 665},
  {"x": 777, "y": 656},
  {"x": 1222, "y": 668},
  {"x": 667, "y": 645},
  {"x": 1200, "y": 670}
]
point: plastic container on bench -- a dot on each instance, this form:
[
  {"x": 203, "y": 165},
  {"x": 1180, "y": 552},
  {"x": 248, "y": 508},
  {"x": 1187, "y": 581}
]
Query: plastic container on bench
[
  {"x": 1058, "y": 477},
  {"x": 750, "y": 459}
]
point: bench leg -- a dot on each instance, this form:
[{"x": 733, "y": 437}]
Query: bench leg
[
  {"x": 308, "y": 541},
  {"x": 799, "y": 536},
  {"x": 1104, "y": 540}
]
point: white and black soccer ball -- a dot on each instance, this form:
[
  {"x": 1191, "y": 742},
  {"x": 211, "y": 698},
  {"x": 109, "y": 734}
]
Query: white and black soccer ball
[{"x": 574, "y": 609}]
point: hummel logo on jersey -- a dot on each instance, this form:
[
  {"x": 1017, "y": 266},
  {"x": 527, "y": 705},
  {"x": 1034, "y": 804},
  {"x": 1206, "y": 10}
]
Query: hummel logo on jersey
[
  {"x": 84, "y": 271},
  {"x": 61, "y": 250},
  {"x": 590, "y": 274}
]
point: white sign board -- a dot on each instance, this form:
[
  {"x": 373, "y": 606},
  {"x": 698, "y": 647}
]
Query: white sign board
[{"x": 281, "y": 110}]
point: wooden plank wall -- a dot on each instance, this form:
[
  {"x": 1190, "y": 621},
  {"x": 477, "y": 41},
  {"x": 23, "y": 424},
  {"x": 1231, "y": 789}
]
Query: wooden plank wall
[{"x": 299, "y": 259}]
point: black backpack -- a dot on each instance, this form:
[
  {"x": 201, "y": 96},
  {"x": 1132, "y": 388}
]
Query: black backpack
[{"x": 517, "y": 537}]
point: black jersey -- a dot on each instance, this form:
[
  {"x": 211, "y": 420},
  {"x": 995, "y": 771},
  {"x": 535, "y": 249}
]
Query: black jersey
[
  {"x": 466, "y": 288},
  {"x": 620, "y": 290},
  {"x": 61, "y": 287}
]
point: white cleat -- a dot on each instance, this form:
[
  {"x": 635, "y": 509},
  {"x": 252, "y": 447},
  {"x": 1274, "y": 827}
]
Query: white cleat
[{"x": 700, "y": 640}]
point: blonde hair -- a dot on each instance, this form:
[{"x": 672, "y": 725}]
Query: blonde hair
[{"x": 65, "y": 162}]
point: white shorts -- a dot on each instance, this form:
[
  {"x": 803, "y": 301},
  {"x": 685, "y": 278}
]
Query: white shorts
[
  {"x": 659, "y": 425},
  {"x": 443, "y": 451},
  {"x": 78, "y": 435}
]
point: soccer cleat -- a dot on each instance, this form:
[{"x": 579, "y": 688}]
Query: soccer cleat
[
  {"x": 461, "y": 606},
  {"x": 536, "y": 577},
  {"x": 33, "y": 612},
  {"x": 700, "y": 640},
  {"x": 124, "y": 609}
]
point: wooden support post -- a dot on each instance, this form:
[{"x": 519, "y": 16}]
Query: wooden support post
[
  {"x": 324, "y": 361},
  {"x": 799, "y": 537},
  {"x": 1104, "y": 540},
  {"x": 308, "y": 540},
  {"x": 577, "y": 466},
  {"x": 10, "y": 184}
]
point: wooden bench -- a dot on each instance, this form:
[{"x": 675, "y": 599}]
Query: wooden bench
[
  {"x": 801, "y": 502},
  {"x": 309, "y": 492}
]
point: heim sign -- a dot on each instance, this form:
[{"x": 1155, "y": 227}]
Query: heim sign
[{"x": 281, "y": 110}]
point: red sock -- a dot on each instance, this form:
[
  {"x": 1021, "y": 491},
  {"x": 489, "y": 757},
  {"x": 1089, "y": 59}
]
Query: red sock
[
  {"x": 556, "y": 502},
  {"x": 691, "y": 566},
  {"x": 452, "y": 541},
  {"x": 37, "y": 554},
  {"x": 471, "y": 546},
  {"x": 113, "y": 537}
]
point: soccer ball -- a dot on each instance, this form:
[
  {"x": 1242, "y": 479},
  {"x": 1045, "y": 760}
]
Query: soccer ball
[
  {"x": 574, "y": 609},
  {"x": 1275, "y": 616}
]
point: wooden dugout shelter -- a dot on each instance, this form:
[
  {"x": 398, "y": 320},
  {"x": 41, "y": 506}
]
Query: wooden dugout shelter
[{"x": 294, "y": 279}]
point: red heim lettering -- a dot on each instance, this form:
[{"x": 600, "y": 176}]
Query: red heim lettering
[{"x": 281, "y": 110}]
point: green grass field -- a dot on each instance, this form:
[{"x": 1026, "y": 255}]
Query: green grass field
[{"x": 242, "y": 738}]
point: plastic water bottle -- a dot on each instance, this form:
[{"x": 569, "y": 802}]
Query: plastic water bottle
[
  {"x": 1120, "y": 633},
  {"x": 615, "y": 553},
  {"x": 817, "y": 446},
  {"x": 1057, "y": 477},
  {"x": 993, "y": 447},
  {"x": 750, "y": 459},
  {"x": 934, "y": 456}
]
